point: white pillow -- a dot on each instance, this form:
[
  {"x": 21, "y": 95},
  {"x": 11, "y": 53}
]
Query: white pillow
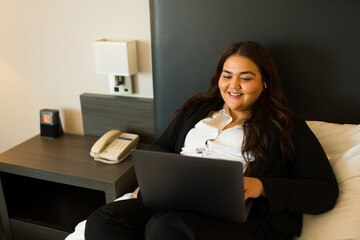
[
  {"x": 341, "y": 143},
  {"x": 342, "y": 146},
  {"x": 335, "y": 138}
]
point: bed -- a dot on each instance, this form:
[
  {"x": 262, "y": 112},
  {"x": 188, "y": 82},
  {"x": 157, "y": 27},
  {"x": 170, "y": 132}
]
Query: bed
[{"x": 315, "y": 45}]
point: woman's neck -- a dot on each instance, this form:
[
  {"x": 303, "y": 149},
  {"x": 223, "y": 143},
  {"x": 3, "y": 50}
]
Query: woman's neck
[{"x": 239, "y": 117}]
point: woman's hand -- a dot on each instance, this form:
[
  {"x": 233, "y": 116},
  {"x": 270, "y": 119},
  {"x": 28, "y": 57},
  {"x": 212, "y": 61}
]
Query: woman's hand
[{"x": 253, "y": 188}]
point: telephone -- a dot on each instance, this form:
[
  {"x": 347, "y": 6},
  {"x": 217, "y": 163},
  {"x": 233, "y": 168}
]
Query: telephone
[{"x": 114, "y": 146}]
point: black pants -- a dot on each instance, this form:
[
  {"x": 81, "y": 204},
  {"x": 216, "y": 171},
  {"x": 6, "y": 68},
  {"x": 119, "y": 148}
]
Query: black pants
[{"x": 130, "y": 220}]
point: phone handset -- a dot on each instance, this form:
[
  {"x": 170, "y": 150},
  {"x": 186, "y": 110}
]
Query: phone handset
[
  {"x": 105, "y": 140},
  {"x": 114, "y": 146}
]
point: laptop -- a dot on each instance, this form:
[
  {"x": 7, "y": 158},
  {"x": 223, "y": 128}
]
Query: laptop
[{"x": 174, "y": 182}]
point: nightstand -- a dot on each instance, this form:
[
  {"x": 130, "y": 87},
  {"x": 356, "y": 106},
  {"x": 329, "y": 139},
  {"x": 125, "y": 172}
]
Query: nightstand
[{"x": 47, "y": 186}]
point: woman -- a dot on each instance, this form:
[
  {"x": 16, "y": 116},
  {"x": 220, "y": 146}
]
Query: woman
[{"x": 243, "y": 117}]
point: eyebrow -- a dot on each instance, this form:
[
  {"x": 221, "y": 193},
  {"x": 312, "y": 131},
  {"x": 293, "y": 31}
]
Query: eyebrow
[{"x": 241, "y": 73}]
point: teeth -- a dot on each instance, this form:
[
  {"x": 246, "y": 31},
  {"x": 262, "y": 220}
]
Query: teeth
[{"x": 235, "y": 94}]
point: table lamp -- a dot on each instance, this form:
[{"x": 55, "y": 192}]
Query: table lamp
[{"x": 118, "y": 60}]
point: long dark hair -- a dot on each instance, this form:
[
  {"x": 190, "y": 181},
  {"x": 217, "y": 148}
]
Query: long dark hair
[{"x": 270, "y": 112}]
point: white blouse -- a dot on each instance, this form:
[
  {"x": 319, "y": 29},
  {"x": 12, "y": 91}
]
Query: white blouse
[{"x": 208, "y": 139}]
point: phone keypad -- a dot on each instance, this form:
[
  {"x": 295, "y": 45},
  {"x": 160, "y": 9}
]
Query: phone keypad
[{"x": 114, "y": 149}]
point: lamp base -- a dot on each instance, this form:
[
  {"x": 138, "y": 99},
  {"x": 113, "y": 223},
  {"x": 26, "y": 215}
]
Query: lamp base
[{"x": 121, "y": 85}]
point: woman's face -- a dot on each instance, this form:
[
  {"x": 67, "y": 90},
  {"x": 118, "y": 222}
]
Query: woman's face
[{"x": 240, "y": 85}]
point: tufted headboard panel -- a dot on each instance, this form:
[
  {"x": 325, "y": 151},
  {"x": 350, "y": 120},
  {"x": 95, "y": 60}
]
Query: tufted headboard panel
[{"x": 315, "y": 44}]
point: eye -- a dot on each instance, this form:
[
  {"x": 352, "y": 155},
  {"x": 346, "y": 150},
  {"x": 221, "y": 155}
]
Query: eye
[
  {"x": 227, "y": 76},
  {"x": 246, "y": 79}
]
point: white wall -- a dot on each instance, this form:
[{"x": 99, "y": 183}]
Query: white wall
[{"x": 47, "y": 58}]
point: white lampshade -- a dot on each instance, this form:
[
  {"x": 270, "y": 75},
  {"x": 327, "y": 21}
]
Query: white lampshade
[{"x": 115, "y": 57}]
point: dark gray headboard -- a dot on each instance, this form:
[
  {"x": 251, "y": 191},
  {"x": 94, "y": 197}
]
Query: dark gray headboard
[
  {"x": 101, "y": 113},
  {"x": 315, "y": 44}
]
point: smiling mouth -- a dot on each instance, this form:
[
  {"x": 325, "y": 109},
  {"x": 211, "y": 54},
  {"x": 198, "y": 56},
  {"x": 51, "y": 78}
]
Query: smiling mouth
[{"x": 235, "y": 94}]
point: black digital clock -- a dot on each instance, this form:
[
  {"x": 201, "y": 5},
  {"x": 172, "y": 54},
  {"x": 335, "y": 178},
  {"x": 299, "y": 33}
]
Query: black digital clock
[{"x": 50, "y": 124}]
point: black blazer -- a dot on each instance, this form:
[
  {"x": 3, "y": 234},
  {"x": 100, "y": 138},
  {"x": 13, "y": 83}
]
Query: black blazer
[{"x": 309, "y": 187}]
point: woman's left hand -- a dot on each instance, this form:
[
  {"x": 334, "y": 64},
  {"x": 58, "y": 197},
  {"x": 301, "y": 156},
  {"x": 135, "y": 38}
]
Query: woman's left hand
[{"x": 253, "y": 188}]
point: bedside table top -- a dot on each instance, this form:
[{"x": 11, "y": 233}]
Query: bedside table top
[{"x": 65, "y": 159}]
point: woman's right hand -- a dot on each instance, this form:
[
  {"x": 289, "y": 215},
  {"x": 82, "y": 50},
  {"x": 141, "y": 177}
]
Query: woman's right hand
[{"x": 253, "y": 188}]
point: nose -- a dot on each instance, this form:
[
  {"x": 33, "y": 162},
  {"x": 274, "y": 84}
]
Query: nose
[{"x": 235, "y": 83}]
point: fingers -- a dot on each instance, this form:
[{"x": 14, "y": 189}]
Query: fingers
[{"x": 246, "y": 195}]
